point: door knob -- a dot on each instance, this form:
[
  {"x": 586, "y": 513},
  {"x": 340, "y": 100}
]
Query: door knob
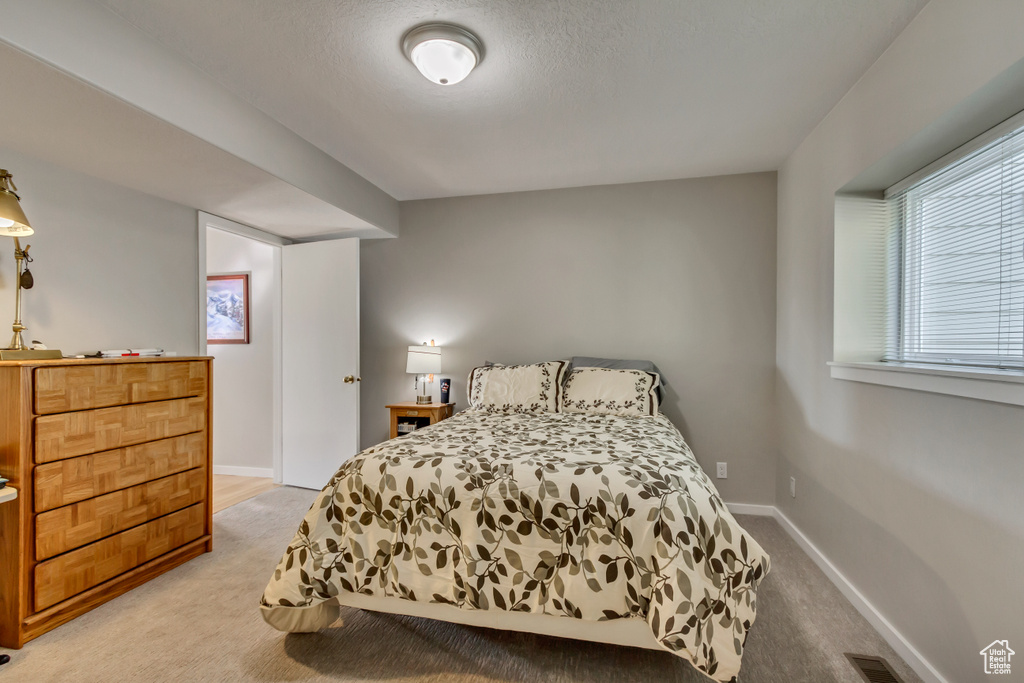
[{"x": 351, "y": 378}]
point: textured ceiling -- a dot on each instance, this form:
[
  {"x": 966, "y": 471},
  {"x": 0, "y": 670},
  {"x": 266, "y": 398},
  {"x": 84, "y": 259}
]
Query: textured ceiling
[
  {"x": 59, "y": 119},
  {"x": 570, "y": 92}
]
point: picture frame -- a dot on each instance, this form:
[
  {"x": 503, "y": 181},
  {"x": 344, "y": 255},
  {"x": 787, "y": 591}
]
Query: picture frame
[{"x": 227, "y": 308}]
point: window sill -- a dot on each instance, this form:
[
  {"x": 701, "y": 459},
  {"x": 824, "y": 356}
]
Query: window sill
[{"x": 999, "y": 386}]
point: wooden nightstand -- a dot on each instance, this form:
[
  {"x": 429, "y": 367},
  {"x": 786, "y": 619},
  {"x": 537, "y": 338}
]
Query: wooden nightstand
[{"x": 410, "y": 416}]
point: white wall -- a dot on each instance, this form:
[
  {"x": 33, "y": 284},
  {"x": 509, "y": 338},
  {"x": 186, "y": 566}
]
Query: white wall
[
  {"x": 915, "y": 497},
  {"x": 100, "y": 48},
  {"x": 243, "y": 379},
  {"x": 679, "y": 272},
  {"x": 114, "y": 268}
]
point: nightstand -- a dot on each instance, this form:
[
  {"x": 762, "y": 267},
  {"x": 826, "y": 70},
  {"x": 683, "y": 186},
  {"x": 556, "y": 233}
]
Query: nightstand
[{"x": 410, "y": 416}]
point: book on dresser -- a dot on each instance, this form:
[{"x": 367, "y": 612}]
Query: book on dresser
[{"x": 112, "y": 462}]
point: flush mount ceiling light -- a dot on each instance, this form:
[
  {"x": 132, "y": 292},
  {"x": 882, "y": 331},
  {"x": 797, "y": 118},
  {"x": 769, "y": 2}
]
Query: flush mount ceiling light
[{"x": 444, "y": 53}]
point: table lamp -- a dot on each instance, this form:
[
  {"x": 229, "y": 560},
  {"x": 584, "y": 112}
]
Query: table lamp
[
  {"x": 424, "y": 360},
  {"x": 13, "y": 223}
]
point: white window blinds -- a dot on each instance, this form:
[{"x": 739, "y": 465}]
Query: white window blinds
[{"x": 959, "y": 281}]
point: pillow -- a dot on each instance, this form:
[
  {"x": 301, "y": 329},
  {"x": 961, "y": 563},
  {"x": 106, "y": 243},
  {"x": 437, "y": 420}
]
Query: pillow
[
  {"x": 645, "y": 365},
  {"x": 517, "y": 388},
  {"x": 607, "y": 391}
]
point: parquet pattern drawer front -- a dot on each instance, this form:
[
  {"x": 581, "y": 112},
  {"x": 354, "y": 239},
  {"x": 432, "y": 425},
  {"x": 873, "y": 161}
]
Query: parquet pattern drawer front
[
  {"x": 75, "y": 479},
  {"x": 67, "y": 435},
  {"x": 73, "y": 572},
  {"x": 72, "y": 526},
  {"x": 82, "y": 387}
]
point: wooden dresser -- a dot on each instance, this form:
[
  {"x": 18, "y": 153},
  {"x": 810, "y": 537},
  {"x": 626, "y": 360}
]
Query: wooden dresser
[{"x": 112, "y": 462}]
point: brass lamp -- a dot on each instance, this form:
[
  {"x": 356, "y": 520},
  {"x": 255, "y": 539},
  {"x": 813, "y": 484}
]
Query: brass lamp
[{"x": 13, "y": 223}]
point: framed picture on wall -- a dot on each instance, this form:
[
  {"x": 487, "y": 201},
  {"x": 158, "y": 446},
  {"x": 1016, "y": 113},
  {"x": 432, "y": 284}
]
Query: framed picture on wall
[{"x": 227, "y": 309}]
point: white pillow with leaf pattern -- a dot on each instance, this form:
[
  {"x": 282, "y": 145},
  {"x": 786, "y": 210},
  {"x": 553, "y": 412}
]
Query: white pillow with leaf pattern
[
  {"x": 608, "y": 391},
  {"x": 533, "y": 388}
]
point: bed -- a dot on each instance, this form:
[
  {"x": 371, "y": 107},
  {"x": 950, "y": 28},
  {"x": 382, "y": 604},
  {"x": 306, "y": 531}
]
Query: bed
[{"x": 566, "y": 522}]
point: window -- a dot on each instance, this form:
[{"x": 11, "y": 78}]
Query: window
[{"x": 956, "y": 275}]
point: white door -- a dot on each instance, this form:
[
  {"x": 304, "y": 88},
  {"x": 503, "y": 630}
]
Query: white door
[{"x": 320, "y": 295}]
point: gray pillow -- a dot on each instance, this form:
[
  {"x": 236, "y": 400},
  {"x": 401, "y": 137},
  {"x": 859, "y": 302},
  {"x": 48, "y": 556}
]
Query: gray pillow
[{"x": 619, "y": 364}]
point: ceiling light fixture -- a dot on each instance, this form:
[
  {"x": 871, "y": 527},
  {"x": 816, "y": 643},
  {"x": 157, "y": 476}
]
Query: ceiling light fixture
[{"x": 444, "y": 53}]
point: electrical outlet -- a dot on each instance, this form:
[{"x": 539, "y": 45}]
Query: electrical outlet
[
  {"x": 723, "y": 470},
  {"x": 792, "y": 487}
]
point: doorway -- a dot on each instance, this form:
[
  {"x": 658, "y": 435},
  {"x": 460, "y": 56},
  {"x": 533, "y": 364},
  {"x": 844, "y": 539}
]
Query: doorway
[
  {"x": 246, "y": 376},
  {"x": 286, "y": 402}
]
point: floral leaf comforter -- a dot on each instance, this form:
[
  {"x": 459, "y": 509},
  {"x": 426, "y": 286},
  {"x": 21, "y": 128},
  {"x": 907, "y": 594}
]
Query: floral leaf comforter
[{"x": 590, "y": 517}]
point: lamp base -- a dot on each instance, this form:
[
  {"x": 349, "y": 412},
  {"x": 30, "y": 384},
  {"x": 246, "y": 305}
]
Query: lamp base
[
  {"x": 30, "y": 354},
  {"x": 424, "y": 399}
]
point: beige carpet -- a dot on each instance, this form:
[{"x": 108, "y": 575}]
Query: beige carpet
[{"x": 200, "y": 623}]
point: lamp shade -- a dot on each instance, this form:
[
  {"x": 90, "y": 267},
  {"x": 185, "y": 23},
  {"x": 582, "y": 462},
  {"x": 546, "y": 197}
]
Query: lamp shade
[
  {"x": 424, "y": 360},
  {"x": 12, "y": 219}
]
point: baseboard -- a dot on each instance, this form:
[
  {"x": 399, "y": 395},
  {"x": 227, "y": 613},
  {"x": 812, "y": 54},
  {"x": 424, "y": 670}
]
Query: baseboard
[
  {"x": 904, "y": 649},
  {"x": 750, "y": 509},
  {"x": 267, "y": 472}
]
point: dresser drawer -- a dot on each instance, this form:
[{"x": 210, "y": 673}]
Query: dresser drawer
[
  {"x": 72, "y": 526},
  {"x": 79, "y": 570},
  {"x": 88, "y": 431},
  {"x": 69, "y": 481},
  {"x": 81, "y": 387}
]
